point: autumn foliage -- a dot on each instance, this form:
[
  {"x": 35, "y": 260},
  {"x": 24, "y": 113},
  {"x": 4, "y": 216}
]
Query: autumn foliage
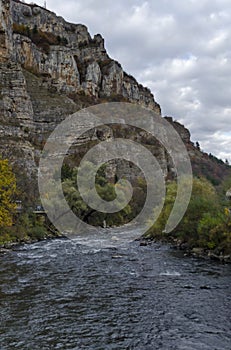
[{"x": 7, "y": 192}]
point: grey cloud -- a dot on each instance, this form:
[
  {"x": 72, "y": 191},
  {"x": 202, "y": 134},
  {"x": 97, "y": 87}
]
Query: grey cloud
[{"x": 180, "y": 49}]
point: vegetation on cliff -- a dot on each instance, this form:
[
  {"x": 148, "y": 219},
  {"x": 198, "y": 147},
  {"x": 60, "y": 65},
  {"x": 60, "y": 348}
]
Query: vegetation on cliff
[
  {"x": 40, "y": 38},
  {"x": 104, "y": 188},
  {"x": 7, "y": 193}
]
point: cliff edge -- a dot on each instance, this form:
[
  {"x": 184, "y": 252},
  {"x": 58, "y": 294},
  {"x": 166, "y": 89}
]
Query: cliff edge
[{"x": 49, "y": 69}]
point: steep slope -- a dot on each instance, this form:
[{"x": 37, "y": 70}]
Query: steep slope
[
  {"x": 68, "y": 57},
  {"x": 49, "y": 69}
]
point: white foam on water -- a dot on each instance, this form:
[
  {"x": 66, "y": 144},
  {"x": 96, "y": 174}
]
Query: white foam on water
[{"x": 170, "y": 273}]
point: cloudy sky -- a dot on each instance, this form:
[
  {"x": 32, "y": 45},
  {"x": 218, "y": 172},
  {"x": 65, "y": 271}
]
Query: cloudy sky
[{"x": 180, "y": 49}]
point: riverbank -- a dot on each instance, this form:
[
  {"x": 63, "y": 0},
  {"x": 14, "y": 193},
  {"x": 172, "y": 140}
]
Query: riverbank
[
  {"x": 11, "y": 245},
  {"x": 204, "y": 253},
  {"x": 196, "y": 252},
  {"x": 205, "y": 229}
]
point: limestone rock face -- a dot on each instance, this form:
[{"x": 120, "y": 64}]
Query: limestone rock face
[
  {"x": 6, "y": 42},
  {"x": 16, "y": 119},
  {"x": 47, "y": 21},
  {"x": 92, "y": 79},
  {"x": 49, "y": 69},
  {"x": 113, "y": 79},
  {"x": 66, "y": 54},
  {"x": 182, "y": 131},
  {"x": 60, "y": 66}
]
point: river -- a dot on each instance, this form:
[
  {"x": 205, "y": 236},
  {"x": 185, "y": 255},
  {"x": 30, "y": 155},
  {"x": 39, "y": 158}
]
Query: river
[{"x": 60, "y": 294}]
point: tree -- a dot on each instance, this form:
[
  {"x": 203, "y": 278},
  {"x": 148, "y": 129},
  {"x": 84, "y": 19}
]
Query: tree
[
  {"x": 105, "y": 190},
  {"x": 203, "y": 200},
  {"x": 7, "y": 193},
  {"x": 198, "y": 146},
  {"x": 206, "y": 223}
]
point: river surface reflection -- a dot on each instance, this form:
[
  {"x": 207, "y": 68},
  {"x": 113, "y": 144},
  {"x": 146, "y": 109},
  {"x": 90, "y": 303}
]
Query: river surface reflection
[{"x": 64, "y": 295}]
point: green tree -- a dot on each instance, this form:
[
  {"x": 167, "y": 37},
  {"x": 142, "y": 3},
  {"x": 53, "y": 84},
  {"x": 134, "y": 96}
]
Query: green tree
[
  {"x": 207, "y": 221},
  {"x": 158, "y": 228},
  {"x": 105, "y": 190},
  {"x": 7, "y": 193},
  {"x": 203, "y": 200}
]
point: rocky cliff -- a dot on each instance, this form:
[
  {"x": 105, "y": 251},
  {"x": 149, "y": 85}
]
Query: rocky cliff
[
  {"x": 65, "y": 55},
  {"x": 49, "y": 69}
]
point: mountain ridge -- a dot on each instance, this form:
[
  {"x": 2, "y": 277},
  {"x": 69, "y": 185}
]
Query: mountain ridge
[{"x": 49, "y": 69}]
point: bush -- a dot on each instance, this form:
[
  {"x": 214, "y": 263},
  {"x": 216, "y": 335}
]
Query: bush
[
  {"x": 37, "y": 232},
  {"x": 8, "y": 191},
  {"x": 21, "y": 29},
  {"x": 106, "y": 191},
  {"x": 205, "y": 224},
  {"x": 41, "y": 39}
]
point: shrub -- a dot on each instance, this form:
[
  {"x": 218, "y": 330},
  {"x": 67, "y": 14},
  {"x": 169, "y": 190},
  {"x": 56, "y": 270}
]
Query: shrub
[
  {"x": 37, "y": 232},
  {"x": 21, "y": 29},
  {"x": 41, "y": 39},
  {"x": 8, "y": 191},
  {"x": 206, "y": 223}
]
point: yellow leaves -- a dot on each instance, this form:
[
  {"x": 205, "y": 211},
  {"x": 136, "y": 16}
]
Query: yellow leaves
[
  {"x": 227, "y": 212},
  {"x": 7, "y": 191}
]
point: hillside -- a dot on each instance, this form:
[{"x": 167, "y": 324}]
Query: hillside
[{"x": 49, "y": 69}]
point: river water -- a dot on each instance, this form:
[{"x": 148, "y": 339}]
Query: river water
[{"x": 64, "y": 295}]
